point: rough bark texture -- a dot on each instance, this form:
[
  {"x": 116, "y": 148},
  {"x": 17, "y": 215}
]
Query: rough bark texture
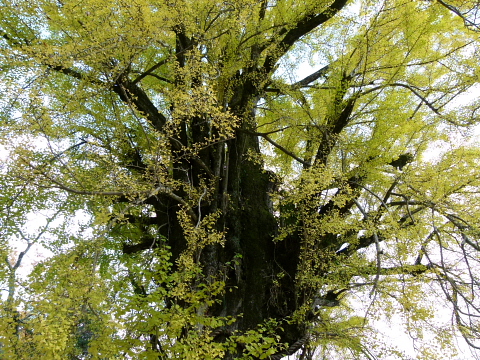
[{"x": 242, "y": 193}]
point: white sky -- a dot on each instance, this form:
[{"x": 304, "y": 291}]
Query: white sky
[{"x": 388, "y": 327}]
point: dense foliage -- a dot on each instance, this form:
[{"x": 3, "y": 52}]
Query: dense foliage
[{"x": 238, "y": 179}]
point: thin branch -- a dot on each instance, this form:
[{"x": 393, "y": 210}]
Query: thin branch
[
  {"x": 150, "y": 70},
  {"x": 467, "y": 22},
  {"x": 414, "y": 91},
  {"x": 61, "y": 186},
  {"x": 413, "y": 270},
  {"x": 159, "y": 189},
  {"x": 68, "y": 149},
  {"x": 377, "y": 248},
  {"x": 161, "y": 78},
  {"x": 289, "y": 153},
  {"x": 273, "y": 131},
  {"x": 455, "y": 220},
  {"x": 200, "y": 207},
  {"x": 75, "y": 74},
  {"x": 178, "y": 146}
]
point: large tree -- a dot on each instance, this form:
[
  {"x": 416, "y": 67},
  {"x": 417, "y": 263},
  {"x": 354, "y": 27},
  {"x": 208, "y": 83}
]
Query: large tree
[{"x": 237, "y": 179}]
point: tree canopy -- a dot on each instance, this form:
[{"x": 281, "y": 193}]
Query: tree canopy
[{"x": 244, "y": 179}]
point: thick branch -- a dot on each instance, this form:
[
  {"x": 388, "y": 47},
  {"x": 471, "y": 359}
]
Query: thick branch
[
  {"x": 75, "y": 74},
  {"x": 145, "y": 243},
  {"x": 413, "y": 270},
  {"x": 455, "y": 220},
  {"x": 311, "y": 78},
  {"x": 131, "y": 93},
  {"x": 147, "y": 194},
  {"x": 329, "y": 137},
  {"x": 306, "y": 81},
  {"x": 301, "y": 28},
  {"x": 456, "y": 11},
  {"x": 352, "y": 185},
  {"x": 292, "y": 349}
]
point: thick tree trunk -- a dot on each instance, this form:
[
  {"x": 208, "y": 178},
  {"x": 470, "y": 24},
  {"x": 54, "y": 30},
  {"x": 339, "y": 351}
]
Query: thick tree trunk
[
  {"x": 251, "y": 228},
  {"x": 254, "y": 293}
]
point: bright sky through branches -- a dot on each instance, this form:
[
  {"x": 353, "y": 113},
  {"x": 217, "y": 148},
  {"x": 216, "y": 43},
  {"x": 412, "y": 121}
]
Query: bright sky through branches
[{"x": 198, "y": 165}]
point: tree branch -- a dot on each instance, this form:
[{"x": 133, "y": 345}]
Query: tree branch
[
  {"x": 455, "y": 220},
  {"x": 281, "y": 148},
  {"x": 333, "y": 128},
  {"x": 302, "y": 83},
  {"x": 377, "y": 248},
  {"x": 128, "y": 92},
  {"x": 131, "y": 93},
  {"x": 301, "y": 28},
  {"x": 456, "y": 11},
  {"x": 312, "y": 77},
  {"x": 150, "y": 71},
  {"x": 416, "y": 93},
  {"x": 75, "y": 74},
  {"x": 159, "y": 189}
]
